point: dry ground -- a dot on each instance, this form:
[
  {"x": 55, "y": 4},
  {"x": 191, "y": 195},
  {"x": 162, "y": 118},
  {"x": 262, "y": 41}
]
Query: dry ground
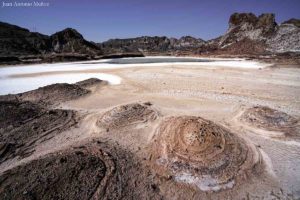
[{"x": 220, "y": 95}]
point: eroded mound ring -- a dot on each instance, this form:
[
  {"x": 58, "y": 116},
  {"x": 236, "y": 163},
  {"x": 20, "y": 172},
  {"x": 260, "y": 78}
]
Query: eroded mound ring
[
  {"x": 80, "y": 173},
  {"x": 25, "y": 125},
  {"x": 270, "y": 119},
  {"x": 200, "y": 152},
  {"x": 126, "y": 115}
]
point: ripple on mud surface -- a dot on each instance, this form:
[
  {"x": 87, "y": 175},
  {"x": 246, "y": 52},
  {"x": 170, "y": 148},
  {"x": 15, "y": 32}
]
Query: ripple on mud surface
[
  {"x": 199, "y": 152},
  {"x": 126, "y": 115},
  {"x": 90, "y": 170},
  {"x": 24, "y": 125}
]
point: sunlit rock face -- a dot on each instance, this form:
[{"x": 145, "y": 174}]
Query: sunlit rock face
[
  {"x": 247, "y": 25},
  {"x": 262, "y": 31},
  {"x": 286, "y": 38}
]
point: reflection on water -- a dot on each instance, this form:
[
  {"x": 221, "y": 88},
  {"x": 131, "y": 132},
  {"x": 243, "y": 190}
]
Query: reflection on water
[{"x": 155, "y": 60}]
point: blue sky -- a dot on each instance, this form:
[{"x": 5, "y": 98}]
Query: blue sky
[{"x": 104, "y": 19}]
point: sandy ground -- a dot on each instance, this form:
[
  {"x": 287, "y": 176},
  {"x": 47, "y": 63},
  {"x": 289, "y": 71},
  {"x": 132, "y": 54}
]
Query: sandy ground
[{"x": 213, "y": 93}]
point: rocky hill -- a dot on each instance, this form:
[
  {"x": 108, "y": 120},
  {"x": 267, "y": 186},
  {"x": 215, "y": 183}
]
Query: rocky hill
[
  {"x": 286, "y": 38},
  {"x": 152, "y": 45},
  {"x": 17, "y": 41},
  {"x": 70, "y": 41},
  {"x": 295, "y": 22},
  {"x": 249, "y": 32}
]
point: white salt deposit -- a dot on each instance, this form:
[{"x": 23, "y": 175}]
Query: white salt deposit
[
  {"x": 204, "y": 183},
  {"x": 12, "y": 79}
]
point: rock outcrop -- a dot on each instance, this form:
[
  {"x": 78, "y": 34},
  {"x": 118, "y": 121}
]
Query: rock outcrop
[
  {"x": 295, "y": 22},
  {"x": 285, "y": 39},
  {"x": 248, "y": 26},
  {"x": 152, "y": 45},
  {"x": 263, "y": 31}
]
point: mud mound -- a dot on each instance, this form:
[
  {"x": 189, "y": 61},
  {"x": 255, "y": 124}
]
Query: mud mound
[
  {"x": 53, "y": 94},
  {"x": 24, "y": 125},
  {"x": 270, "y": 119},
  {"x": 90, "y": 82},
  {"x": 75, "y": 174},
  {"x": 126, "y": 115},
  {"x": 93, "y": 170},
  {"x": 199, "y": 152}
]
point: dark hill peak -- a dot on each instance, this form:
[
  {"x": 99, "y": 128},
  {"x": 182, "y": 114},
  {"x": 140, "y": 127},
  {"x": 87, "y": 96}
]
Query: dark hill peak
[
  {"x": 295, "y": 22},
  {"x": 266, "y": 20},
  {"x": 70, "y": 40},
  {"x": 4, "y": 25},
  {"x": 68, "y": 33},
  {"x": 192, "y": 39},
  {"x": 240, "y": 18},
  {"x": 15, "y": 40}
]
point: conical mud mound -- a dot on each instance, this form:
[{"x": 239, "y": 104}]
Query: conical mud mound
[
  {"x": 271, "y": 120},
  {"x": 126, "y": 115},
  {"x": 80, "y": 173},
  {"x": 199, "y": 152}
]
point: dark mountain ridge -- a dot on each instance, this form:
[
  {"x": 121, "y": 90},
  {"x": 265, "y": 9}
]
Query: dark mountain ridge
[
  {"x": 152, "y": 45},
  {"x": 17, "y": 41},
  {"x": 247, "y": 34}
]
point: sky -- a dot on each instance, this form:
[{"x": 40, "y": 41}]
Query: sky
[{"x": 106, "y": 19}]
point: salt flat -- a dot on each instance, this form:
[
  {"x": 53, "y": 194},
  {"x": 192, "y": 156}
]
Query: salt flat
[{"x": 18, "y": 79}]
